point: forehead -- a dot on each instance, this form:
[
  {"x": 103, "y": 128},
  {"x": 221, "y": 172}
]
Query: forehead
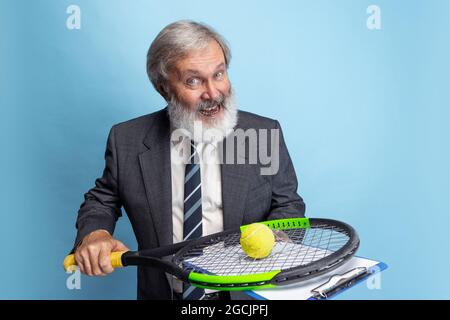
[{"x": 202, "y": 60}]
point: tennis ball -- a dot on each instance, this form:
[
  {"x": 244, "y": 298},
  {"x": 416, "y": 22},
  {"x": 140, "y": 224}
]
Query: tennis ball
[{"x": 257, "y": 240}]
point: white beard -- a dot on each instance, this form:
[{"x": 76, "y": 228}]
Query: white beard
[{"x": 181, "y": 117}]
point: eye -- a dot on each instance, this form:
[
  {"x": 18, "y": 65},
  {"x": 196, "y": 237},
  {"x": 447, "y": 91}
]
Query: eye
[
  {"x": 218, "y": 75},
  {"x": 192, "y": 82}
]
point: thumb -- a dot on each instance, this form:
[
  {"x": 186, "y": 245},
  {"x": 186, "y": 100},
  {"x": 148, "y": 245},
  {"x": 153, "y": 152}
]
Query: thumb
[{"x": 119, "y": 246}]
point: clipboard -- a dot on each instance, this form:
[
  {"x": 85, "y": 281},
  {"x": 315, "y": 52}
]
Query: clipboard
[{"x": 325, "y": 286}]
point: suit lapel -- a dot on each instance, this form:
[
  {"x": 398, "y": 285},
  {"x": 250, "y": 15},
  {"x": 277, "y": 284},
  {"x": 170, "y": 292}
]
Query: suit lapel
[
  {"x": 234, "y": 188},
  {"x": 156, "y": 172}
]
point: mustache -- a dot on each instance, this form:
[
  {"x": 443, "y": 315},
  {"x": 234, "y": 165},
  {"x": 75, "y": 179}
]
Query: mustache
[{"x": 208, "y": 104}]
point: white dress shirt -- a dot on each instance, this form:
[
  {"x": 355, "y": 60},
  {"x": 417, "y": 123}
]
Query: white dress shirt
[{"x": 211, "y": 186}]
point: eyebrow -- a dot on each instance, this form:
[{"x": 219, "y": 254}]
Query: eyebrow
[{"x": 192, "y": 71}]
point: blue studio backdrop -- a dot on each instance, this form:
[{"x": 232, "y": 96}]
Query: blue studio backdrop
[{"x": 364, "y": 109}]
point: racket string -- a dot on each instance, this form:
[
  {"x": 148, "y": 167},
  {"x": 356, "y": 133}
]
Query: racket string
[{"x": 224, "y": 256}]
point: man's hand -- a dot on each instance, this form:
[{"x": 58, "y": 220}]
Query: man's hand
[{"x": 92, "y": 256}]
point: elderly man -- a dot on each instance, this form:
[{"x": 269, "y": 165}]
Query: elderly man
[{"x": 169, "y": 201}]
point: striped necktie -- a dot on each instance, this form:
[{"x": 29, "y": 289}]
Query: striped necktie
[{"x": 192, "y": 227}]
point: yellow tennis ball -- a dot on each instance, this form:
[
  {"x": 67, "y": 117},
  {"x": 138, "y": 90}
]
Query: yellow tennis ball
[{"x": 257, "y": 240}]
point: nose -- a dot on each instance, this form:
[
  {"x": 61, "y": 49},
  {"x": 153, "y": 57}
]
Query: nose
[{"x": 210, "y": 92}]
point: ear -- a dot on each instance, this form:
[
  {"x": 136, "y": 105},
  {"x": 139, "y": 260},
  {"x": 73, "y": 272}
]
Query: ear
[{"x": 162, "y": 90}]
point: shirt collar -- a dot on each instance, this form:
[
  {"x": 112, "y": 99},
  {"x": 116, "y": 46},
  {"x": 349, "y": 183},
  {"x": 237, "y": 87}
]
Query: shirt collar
[{"x": 184, "y": 139}]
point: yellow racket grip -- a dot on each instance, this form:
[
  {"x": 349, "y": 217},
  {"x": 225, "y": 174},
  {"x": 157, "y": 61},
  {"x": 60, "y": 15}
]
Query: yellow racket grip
[{"x": 115, "y": 257}]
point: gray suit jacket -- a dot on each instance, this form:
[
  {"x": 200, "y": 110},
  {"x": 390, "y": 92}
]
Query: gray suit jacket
[{"x": 137, "y": 177}]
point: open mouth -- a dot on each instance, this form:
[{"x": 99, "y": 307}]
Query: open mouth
[{"x": 210, "y": 112}]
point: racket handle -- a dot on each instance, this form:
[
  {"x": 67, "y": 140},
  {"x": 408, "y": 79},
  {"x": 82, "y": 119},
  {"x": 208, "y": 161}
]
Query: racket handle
[{"x": 115, "y": 257}]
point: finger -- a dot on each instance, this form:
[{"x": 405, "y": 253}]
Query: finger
[
  {"x": 86, "y": 263},
  {"x": 119, "y": 246},
  {"x": 105, "y": 261},
  {"x": 95, "y": 267},
  {"x": 79, "y": 262}
]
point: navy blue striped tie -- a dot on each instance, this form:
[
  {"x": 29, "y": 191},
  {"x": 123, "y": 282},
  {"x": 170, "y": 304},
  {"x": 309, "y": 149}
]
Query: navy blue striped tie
[{"x": 192, "y": 213}]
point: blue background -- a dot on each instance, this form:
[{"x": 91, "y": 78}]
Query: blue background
[{"x": 365, "y": 115}]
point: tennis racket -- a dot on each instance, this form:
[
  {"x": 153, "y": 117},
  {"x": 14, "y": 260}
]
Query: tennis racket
[{"x": 304, "y": 248}]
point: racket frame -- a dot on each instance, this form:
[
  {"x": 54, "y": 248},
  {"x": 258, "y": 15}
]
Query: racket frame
[{"x": 155, "y": 258}]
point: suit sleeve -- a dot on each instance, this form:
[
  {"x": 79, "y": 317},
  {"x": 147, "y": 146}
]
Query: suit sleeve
[
  {"x": 286, "y": 203},
  {"x": 102, "y": 206}
]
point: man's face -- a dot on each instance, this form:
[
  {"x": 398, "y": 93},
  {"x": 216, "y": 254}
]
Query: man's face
[{"x": 200, "y": 83}]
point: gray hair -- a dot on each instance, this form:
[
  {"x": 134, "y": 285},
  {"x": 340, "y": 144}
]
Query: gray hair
[{"x": 174, "y": 42}]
